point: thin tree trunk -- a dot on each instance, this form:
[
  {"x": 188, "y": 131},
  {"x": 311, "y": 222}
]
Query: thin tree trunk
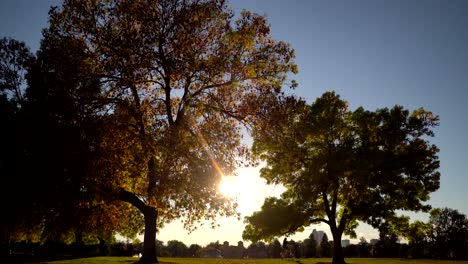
[
  {"x": 149, "y": 245},
  {"x": 338, "y": 257}
]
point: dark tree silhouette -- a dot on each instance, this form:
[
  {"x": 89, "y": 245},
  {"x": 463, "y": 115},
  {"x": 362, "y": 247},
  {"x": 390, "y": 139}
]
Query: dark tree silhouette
[
  {"x": 325, "y": 247},
  {"x": 448, "y": 233},
  {"x": 19, "y": 220},
  {"x": 177, "y": 249},
  {"x": 194, "y": 251},
  {"x": 310, "y": 245},
  {"x": 274, "y": 249}
]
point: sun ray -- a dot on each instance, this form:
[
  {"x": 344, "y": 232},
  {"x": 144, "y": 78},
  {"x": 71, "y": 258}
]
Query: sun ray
[{"x": 208, "y": 151}]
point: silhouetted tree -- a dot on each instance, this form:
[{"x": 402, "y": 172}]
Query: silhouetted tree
[
  {"x": 448, "y": 234},
  {"x": 418, "y": 239},
  {"x": 20, "y": 220},
  {"x": 64, "y": 101},
  {"x": 310, "y": 247},
  {"x": 15, "y": 61},
  {"x": 214, "y": 245},
  {"x": 194, "y": 251},
  {"x": 325, "y": 247},
  {"x": 162, "y": 249},
  {"x": 177, "y": 249},
  {"x": 388, "y": 245},
  {"x": 274, "y": 249},
  {"x": 295, "y": 248},
  {"x": 51, "y": 136},
  {"x": 257, "y": 250},
  {"x": 341, "y": 166},
  {"x": 351, "y": 251},
  {"x": 364, "y": 248}
]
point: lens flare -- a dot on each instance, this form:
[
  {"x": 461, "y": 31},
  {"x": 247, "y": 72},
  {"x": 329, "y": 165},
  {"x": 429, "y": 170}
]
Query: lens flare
[{"x": 208, "y": 151}]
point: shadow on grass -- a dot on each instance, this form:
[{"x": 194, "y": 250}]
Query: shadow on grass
[
  {"x": 85, "y": 260},
  {"x": 105, "y": 260},
  {"x": 135, "y": 260},
  {"x": 298, "y": 261}
]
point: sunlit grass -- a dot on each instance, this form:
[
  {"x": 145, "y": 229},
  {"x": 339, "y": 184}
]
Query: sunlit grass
[{"x": 124, "y": 260}]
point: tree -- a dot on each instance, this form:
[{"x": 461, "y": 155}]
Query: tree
[
  {"x": 18, "y": 221},
  {"x": 341, "y": 166},
  {"x": 177, "y": 249},
  {"x": 388, "y": 245},
  {"x": 295, "y": 248},
  {"x": 59, "y": 95},
  {"x": 15, "y": 61},
  {"x": 274, "y": 249},
  {"x": 310, "y": 247},
  {"x": 418, "y": 240},
  {"x": 364, "y": 248},
  {"x": 448, "y": 233},
  {"x": 194, "y": 251},
  {"x": 325, "y": 248},
  {"x": 162, "y": 249},
  {"x": 49, "y": 133},
  {"x": 178, "y": 79},
  {"x": 257, "y": 250},
  {"x": 214, "y": 245}
]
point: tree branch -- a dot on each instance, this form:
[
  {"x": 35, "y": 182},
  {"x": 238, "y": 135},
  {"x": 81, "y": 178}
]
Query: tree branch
[
  {"x": 132, "y": 199},
  {"x": 184, "y": 101},
  {"x": 335, "y": 199},
  {"x": 327, "y": 204},
  {"x": 137, "y": 110},
  {"x": 323, "y": 220},
  {"x": 343, "y": 219},
  {"x": 291, "y": 230}
]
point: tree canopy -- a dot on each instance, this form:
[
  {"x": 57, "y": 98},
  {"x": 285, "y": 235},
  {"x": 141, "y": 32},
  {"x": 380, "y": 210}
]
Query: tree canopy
[
  {"x": 341, "y": 166},
  {"x": 18, "y": 221},
  {"x": 175, "y": 82},
  {"x": 46, "y": 159}
]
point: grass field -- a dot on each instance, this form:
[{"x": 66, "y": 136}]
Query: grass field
[{"x": 120, "y": 260}]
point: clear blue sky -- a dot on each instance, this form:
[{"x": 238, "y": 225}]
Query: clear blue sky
[{"x": 373, "y": 53}]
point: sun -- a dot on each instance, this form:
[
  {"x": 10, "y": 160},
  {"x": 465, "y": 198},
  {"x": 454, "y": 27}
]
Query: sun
[
  {"x": 243, "y": 189},
  {"x": 229, "y": 186}
]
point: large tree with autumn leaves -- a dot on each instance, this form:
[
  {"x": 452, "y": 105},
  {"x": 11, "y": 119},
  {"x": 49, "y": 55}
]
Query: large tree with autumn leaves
[{"x": 178, "y": 79}]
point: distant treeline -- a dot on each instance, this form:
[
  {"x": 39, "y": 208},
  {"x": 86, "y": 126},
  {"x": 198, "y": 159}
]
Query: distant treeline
[{"x": 444, "y": 236}]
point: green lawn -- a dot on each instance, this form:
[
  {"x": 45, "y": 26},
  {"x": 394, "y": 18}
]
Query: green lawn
[{"x": 120, "y": 260}]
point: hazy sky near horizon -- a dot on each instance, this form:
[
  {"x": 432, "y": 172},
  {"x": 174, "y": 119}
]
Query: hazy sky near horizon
[{"x": 374, "y": 53}]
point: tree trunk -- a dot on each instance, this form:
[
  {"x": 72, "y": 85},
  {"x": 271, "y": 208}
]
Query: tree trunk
[
  {"x": 149, "y": 243},
  {"x": 149, "y": 212},
  {"x": 79, "y": 238},
  {"x": 79, "y": 244},
  {"x": 103, "y": 248},
  {"x": 338, "y": 257}
]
